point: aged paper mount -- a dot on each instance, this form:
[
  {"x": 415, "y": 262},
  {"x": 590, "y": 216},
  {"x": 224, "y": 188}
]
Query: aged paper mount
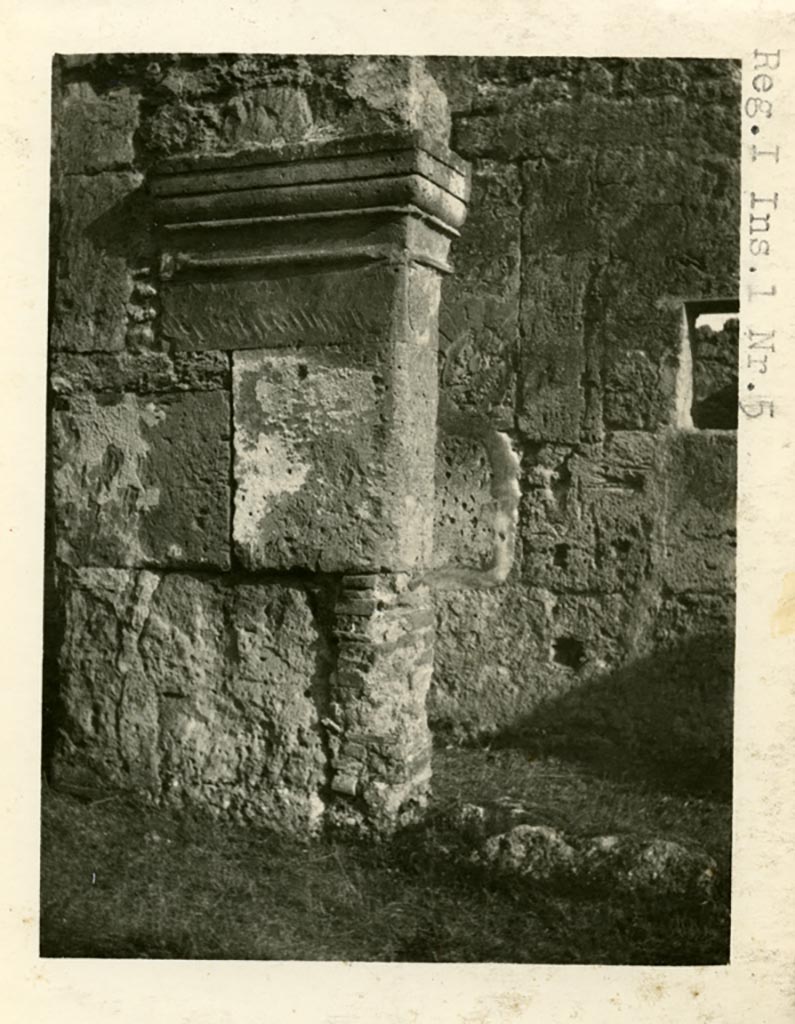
[{"x": 759, "y": 984}]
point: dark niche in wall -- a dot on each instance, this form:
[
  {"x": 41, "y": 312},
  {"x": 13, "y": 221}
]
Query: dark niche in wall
[
  {"x": 568, "y": 651},
  {"x": 714, "y": 341}
]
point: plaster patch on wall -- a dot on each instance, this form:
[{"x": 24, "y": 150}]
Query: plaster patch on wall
[
  {"x": 307, "y": 463},
  {"x": 267, "y": 468}
]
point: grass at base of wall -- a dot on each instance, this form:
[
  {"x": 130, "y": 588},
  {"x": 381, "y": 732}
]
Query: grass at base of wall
[{"x": 123, "y": 881}]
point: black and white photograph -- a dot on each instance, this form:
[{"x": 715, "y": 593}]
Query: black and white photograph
[
  {"x": 391, "y": 508},
  {"x": 398, "y": 463}
]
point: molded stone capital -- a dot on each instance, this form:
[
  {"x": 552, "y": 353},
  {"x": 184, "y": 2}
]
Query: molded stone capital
[
  {"x": 349, "y": 201},
  {"x": 325, "y": 259}
]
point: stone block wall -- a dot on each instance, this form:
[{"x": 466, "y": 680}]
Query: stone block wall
[
  {"x": 200, "y": 653},
  {"x": 246, "y": 262},
  {"x": 604, "y": 216}
]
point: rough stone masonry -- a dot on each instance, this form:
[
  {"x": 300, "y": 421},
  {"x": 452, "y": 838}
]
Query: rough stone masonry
[{"x": 294, "y": 450}]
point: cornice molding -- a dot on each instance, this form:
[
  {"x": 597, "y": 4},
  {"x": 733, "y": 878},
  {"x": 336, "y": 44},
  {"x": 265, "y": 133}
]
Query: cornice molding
[{"x": 401, "y": 173}]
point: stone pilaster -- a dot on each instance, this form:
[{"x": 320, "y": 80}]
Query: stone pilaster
[
  {"x": 380, "y": 740},
  {"x": 318, "y": 269}
]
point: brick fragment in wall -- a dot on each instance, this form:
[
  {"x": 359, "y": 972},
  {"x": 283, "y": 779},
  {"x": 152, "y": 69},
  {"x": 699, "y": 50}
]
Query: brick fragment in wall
[
  {"x": 380, "y": 742},
  {"x": 143, "y": 311},
  {"x": 142, "y": 480},
  {"x": 95, "y": 132},
  {"x": 144, "y": 373},
  {"x": 479, "y": 315},
  {"x": 195, "y": 691},
  {"x": 101, "y": 230}
]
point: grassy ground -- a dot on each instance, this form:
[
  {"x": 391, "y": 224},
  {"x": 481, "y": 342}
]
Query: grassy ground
[{"x": 120, "y": 880}]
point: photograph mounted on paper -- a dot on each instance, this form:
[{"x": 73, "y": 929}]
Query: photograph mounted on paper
[{"x": 391, "y": 508}]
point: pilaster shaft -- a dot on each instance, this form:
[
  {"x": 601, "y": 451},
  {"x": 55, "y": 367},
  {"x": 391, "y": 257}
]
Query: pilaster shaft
[{"x": 319, "y": 268}]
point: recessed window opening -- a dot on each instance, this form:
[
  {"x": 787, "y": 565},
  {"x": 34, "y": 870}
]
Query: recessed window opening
[{"x": 708, "y": 380}]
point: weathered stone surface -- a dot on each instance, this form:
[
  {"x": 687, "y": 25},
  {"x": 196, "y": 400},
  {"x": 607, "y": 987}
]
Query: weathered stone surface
[
  {"x": 543, "y": 126},
  {"x": 483, "y": 821},
  {"x": 659, "y": 868},
  {"x": 142, "y": 481},
  {"x": 479, "y": 317},
  {"x": 638, "y": 390},
  {"x": 283, "y": 99},
  {"x": 530, "y": 851},
  {"x": 606, "y": 191},
  {"x": 599, "y": 520},
  {"x": 698, "y": 614},
  {"x": 402, "y": 88},
  {"x": 266, "y": 115},
  {"x": 99, "y": 231},
  {"x": 477, "y": 507},
  {"x": 590, "y": 514},
  {"x": 310, "y": 488},
  {"x": 700, "y": 470},
  {"x": 607, "y": 159},
  {"x": 145, "y": 373},
  {"x": 656, "y": 868},
  {"x": 607, "y": 530},
  {"x": 95, "y": 133},
  {"x": 557, "y": 282},
  {"x": 334, "y": 463},
  {"x": 591, "y": 633},
  {"x": 195, "y": 690},
  {"x": 492, "y": 647},
  {"x": 502, "y": 655},
  {"x": 599, "y": 343},
  {"x": 344, "y": 309},
  {"x": 465, "y": 508}
]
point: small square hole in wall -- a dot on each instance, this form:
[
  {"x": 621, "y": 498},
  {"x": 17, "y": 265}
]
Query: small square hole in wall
[{"x": 714, "y": 333}]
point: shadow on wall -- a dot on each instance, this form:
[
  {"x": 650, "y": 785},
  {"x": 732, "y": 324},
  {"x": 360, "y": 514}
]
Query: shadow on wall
[
  {"x": 665, "y": 719},
  {"x": 124, "y": 228}
]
